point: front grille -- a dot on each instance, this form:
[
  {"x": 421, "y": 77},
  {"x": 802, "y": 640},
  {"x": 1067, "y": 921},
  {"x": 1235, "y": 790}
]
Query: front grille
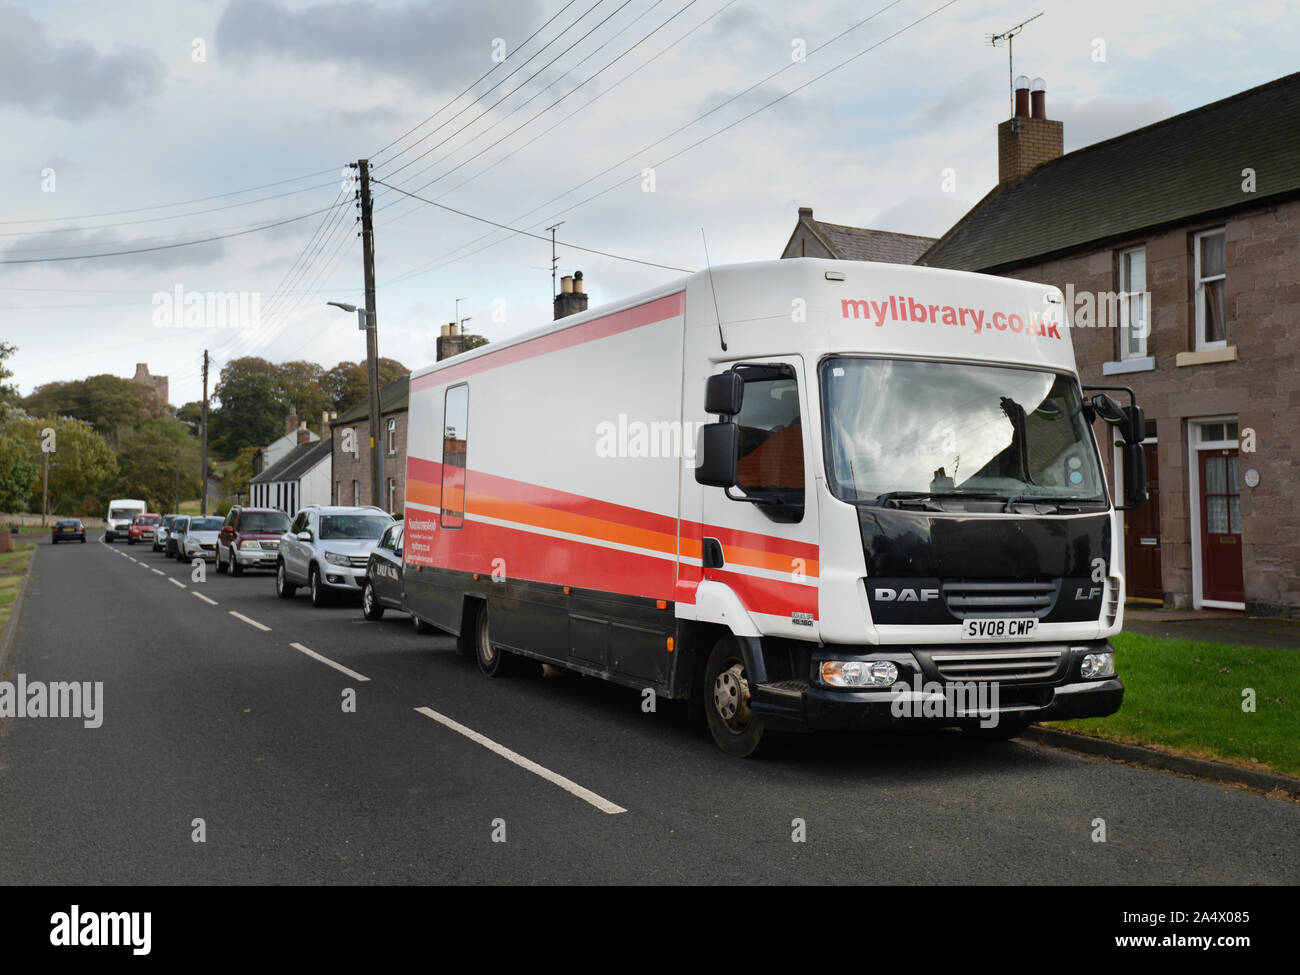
[
  {"x": 1018, "y": 665},
  {"x": 270, "y": 546},
  {"x": 209, "y": 546},
  {"x": 358, "y": 561},
  {"x": 981, "y": 597}
]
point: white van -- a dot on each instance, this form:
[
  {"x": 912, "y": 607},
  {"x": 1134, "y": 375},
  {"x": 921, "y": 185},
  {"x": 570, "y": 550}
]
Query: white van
[
  {"x": 121, "y": 511},
  {"x": 808, "y": 494}
]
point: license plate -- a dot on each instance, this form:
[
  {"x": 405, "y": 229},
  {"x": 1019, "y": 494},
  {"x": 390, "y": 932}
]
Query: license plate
[{"x": 1001, "y": 628}]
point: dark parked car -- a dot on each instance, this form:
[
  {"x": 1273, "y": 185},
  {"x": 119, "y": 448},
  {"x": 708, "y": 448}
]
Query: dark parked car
[
  {"x": 160, "y": 536},
  {"x": 68, "y": 530},
  {"x": 250, "y": 539},
  {"x": 171, "y": 544},
  {"x": 382, "y": 588}
]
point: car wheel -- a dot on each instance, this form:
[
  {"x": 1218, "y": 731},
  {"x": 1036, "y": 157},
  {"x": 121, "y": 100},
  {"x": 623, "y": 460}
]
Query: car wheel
[
  {"x": 1008, "y": 726},
  {"x": 221, "y": 566},
  {"x": 54, "y": 541},
  {"x": 236, "y": 569},
  {"x": 320, "y": 596},
  {"x": 130, "y": 540},
  {"x": 83, "y": 539},
  {"x": 734, "y": 727},
  {"x": 370, "y": 606},
  {"x": 283, "y": 587}
]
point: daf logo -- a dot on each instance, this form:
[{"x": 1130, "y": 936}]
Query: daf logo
[
  {"x": 906, "y": 595},
  {"x": 1081, "y": 593}
]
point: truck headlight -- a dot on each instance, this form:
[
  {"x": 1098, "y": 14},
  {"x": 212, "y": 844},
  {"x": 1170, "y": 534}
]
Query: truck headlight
[
  {"x": 859, "y": 673},
  {"x": 1097, "y": 665},
  {"x": 334, "y": 558}
]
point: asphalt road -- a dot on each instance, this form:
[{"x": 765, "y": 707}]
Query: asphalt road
[{"x": 208, "y": 717}]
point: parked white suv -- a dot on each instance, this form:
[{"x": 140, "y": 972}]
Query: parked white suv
[{"x": 327, "y": 549}]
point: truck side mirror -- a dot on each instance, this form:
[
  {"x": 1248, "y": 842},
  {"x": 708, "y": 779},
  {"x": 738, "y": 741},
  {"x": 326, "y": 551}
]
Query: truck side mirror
[
  {"x": 1135, "y": 474},
  {"x": 723, "y": 393},
  {"x": 719, "y": 446},
  {"x": 1110, "y": 411},
  {"x": 1135, "y": 424}
]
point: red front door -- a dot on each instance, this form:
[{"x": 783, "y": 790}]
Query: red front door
[{"x": 1221, "y": 577}]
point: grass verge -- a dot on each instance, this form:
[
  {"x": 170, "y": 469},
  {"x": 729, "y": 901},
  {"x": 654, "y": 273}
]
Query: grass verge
[
  {"x": 1187, "y": 697},
  {"x": 13, "y": 567}
]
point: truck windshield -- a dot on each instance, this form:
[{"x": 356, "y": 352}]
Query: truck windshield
[{"x": 943, "y": 428}]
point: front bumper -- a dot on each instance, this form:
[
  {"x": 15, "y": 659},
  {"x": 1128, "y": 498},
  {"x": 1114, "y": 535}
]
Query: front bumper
[
  {"x": 924, "y": 698},
  {"x": 256, "y": 558},
  {"x": 343, "y": 578}
]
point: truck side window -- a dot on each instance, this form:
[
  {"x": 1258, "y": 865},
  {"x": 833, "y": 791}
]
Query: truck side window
[
  {"x": 455, "y": 442},
  {"x": 771, "y": 436}
]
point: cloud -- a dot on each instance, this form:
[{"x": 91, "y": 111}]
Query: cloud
[
  {"x": 70, "y": 79},
  {"x": 931, "y": 215},
  {"x": 103, "y": 240},
  {"x": 1103, "y": 118},
  {"x": 426, "y": 45}
]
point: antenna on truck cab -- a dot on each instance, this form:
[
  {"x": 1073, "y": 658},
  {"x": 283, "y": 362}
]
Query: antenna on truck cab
[{"x": 709, "y": 265}]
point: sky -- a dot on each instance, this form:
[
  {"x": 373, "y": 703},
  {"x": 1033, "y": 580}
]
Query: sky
[{"x": 521, "y": 112}]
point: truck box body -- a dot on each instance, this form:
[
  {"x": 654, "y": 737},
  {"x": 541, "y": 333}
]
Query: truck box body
[{"x": 552, "y": 476}]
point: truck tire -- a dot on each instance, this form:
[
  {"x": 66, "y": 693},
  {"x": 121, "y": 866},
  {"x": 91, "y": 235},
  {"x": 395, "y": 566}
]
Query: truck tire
[
  {"x": 492, "y": 660},
  {"x": 725, "y": 692}
]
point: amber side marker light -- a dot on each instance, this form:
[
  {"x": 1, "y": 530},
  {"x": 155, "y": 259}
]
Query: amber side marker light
[
  {"x": 670, "y": 644},
  {"x": 661, "y": 604}
]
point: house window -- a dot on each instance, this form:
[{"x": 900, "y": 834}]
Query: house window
[
  {"x": 1134, "y": 304},
  {"x": 392, "y": 495},
  {"x": 392, "y": 436},
  {"x": 338, "y": 492},
  {"x": 1211, "y": 296},
  {"x": 356, "y": 491}
]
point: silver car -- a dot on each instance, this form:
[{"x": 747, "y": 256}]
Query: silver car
[
  {"x": 327, "y": 549},
  {"x": 198, "y": 538}
]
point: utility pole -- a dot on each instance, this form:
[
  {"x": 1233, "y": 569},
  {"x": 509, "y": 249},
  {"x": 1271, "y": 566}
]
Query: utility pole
[
  {"x": 372, "y": 336},
  {"x": 203, "y": 471},
  {"x": 178, "y": 480},
  {"x": 45, "y": 491}
]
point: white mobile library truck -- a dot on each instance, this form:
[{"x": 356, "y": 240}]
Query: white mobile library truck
[
  {"x": 121, "y": 512},
  {"x": 807, "y": 494}
]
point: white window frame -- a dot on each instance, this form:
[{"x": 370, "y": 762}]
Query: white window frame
[
  {"x": 1201, "y": 343},
  {"x": 1194, "y": 446},
  {"x": 392, "y": 436},
  {"x": 356, "y": 492},
  {"x": 1145, "y": 296},
  {"x": 392, "y": 495}
]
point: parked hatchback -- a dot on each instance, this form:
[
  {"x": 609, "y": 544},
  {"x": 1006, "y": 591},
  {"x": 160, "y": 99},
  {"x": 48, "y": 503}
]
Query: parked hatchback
[
  {"x": 163, "y": 530},
  {"x": 143, "y": 528},
  {"x": 68, "y": 530},
  {"x": 250, "y": 539},
  {"x": 327, "y": 549}
]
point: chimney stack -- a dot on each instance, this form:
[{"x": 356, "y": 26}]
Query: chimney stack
[
  {"x": 451, "y": 341},
  {"x": 326, "y": 418},
  {"x": 304, "y": 435},
  {"x": 1030, "y": 138},
  {"x": 572, "y": 299},
  {"x": 291, "y": 422}
]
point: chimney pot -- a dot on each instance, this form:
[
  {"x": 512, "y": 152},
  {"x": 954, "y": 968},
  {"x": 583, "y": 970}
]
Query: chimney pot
[
  {"x": 1038, "y": 98},
  {"x": 577, "y": 282},
  {"x": 1022, "y": 96},
  {"x": 566, "y": 284}
]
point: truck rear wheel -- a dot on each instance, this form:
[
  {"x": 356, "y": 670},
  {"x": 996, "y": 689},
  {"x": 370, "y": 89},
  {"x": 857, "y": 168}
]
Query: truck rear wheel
[
  {"x": 734, "y": 727},
  {"x": 492, "y": 660}
]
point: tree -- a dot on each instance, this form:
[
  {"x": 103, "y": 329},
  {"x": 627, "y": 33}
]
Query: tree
[
  {"x": 18, "y": 471},
  {"x": 348, "y": 383},
  {"x": 191, "y": 413},
  {"x": 301, "y": 389},
  {"x": 240, "y": 473},
  {"x": 152, "y": 457},
  {"x": 473, "y": 341},
  {"x": 250, "y": 408},
  {"x": 109, "y": 403},
  {"x": 8, "y": 391},
  {"x": 81, "y": 462}
]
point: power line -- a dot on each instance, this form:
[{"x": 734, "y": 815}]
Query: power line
[
  {"x": 602, "y": 23},
  {"x": 563, "y": 243},
  {"x": 470, "y": 87},
  {"x": 174, "y": 216},
  {"x": 164, "y": 247},
  {"x": 163, "y": 206}
]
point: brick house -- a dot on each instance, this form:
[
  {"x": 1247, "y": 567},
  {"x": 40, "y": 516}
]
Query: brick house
[
  {"x": 351, "y": 467},
  {"x": 836, "y": 241},
  {"x": 1182, "y": 239}
]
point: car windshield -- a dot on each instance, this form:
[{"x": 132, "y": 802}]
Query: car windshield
[
  {"x": 68, "y": 524},
  {"x": 363, "y": 527},
  {"x": 264, "y": 521},
  {"x": 206, "y": 524},
  {"x": 147, "y": 520},
  {"x": 123, "y": 513},
  {"x": 952, "y": 428}
]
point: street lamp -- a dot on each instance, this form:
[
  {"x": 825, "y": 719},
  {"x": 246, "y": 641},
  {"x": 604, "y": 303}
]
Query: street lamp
[{"x": 372, "y": 372}]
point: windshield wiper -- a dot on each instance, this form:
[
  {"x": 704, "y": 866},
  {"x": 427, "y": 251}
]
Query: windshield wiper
[
  {"x": 1059, "y": 502},
  {"x": 885, "y": 499}
]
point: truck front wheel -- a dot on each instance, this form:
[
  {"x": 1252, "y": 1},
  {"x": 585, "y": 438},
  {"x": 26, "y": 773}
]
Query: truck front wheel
[{"x": 733, "y": 725}]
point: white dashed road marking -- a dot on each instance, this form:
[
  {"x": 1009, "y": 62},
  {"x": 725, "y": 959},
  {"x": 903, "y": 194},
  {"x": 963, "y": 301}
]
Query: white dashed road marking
[
  {"x": 328, "y": 662},
  {"x": 241, "y": 616}
]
